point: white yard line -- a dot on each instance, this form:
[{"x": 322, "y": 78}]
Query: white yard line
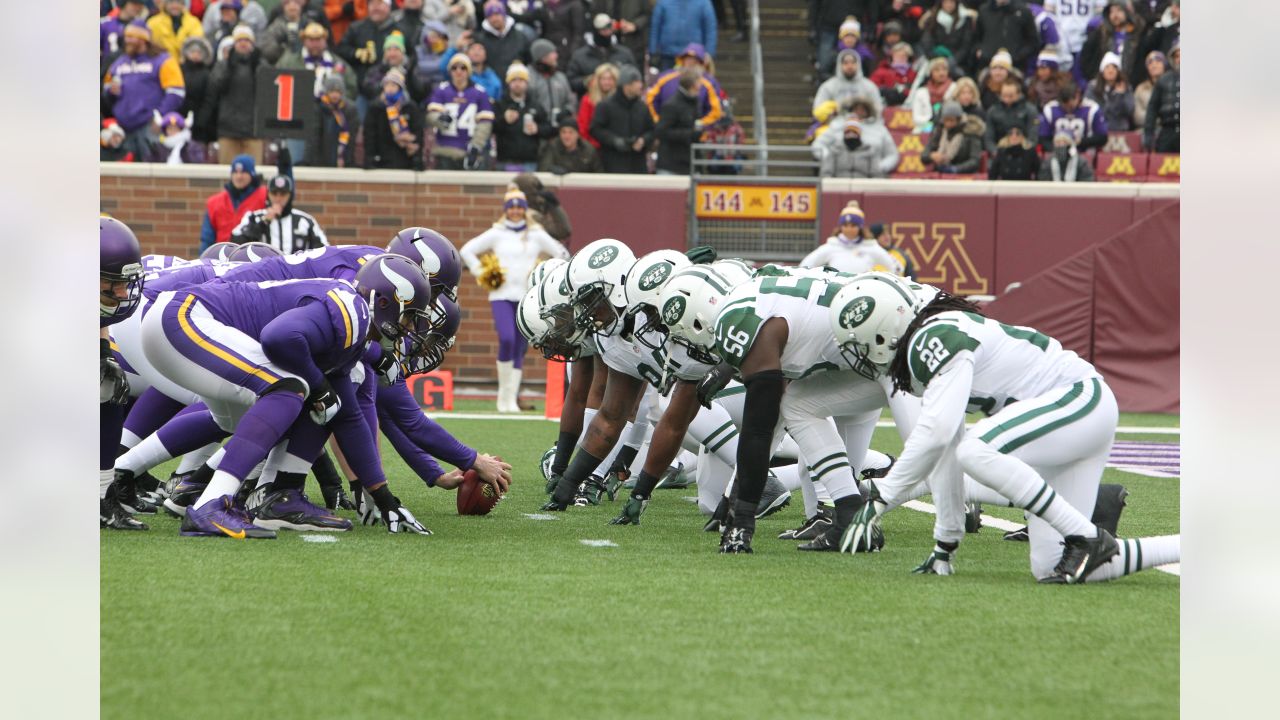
[{"x": 1006, "y": 525}]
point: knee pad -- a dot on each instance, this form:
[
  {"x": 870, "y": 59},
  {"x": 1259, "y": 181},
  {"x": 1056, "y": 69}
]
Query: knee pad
[{"x": 289, "y": 384}]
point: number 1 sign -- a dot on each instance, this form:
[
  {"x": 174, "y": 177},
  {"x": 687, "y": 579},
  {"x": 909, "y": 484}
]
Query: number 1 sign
[{"x": 283, "y": 103}]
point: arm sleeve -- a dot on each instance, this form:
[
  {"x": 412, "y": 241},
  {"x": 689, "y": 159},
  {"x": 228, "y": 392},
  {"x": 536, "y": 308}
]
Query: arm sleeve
[
  {"x": 175, "y": 90},
  {"x": 715, "y": 109},
  {"x": 941, "y": 414},
  {"x": 292, "y": 339},
  {"x": 422, "y": 464},
  {"x": 396, "y": 407}
]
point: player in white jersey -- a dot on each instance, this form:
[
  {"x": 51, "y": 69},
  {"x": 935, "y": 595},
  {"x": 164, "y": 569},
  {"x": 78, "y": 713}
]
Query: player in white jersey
[{"x": 1050, "y": 423}]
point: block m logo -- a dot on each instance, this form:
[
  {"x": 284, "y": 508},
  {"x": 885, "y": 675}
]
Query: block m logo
[
  {"x": 938, "y": 250},
  {"x": 1121, "y": 165},
  {"x": 1170, "y": 165}
]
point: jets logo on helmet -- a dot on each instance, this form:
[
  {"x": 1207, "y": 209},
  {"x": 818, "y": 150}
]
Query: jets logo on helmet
[
  {"x": 656, "y": 276},
  {"x": 673, "y": 310},
  {"x": 602, "y": 257},
  {"x": 857, "y": 312}
]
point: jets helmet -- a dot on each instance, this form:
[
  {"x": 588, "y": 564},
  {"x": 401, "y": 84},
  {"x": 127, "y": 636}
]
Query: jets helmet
[
  {"x": 688, "y": 306},
  {"x": 645, "y": 281},
  {"x": 868, "y": 318},
  {"x": 597, "y": 285},
  {"x": 541, "y": 269}
]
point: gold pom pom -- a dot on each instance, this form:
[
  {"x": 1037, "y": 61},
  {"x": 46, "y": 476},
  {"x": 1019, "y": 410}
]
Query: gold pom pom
[{"x": 491, "y": 274}]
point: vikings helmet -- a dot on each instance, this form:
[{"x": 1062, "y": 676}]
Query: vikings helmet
[
  {"x": 399, "y": 297},
  {"x": 437, "y": 256},
  {"x": 219, "y": 252},
  {"x": 446, "y": 317},
  {"x": 253, "y": 252},
  {"x": 120, "y": 262}
]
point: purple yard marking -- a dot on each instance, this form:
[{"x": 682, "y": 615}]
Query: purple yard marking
[{"x": 1147, "y": 458}]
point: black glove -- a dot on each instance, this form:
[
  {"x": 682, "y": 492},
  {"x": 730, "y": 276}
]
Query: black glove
[
  {"x": 324, "y": 403},
  {"x": 713, "y": 383},
  {"x": 113, "y": 385},
  {"x": 473, "y": 159},
  {"x": 388, "y": 369},
  {"x": 701, "y": 255},
  {"x": 444, "y": 121}
]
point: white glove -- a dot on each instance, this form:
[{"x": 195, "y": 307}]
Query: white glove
[
  {"x": 325, "y": 404},
  {"x": 938, "y": 563},
  {"x": 366, "y": 509},
  {"x": 400, "y": 520}
]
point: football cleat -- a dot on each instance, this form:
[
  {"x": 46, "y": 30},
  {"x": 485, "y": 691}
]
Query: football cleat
[
  {"x": 1081, "y": 556},
  {"x": 589, "y": 492},
  {"x": 812, "y": 526},
  {"x": 221, "y": 518},
  {"x": 773, "y": 498},
  {"x": 183, "y": 494},
  {"x": 675, "y": 478},
  {"x": 126, "y": 493},
  {"x": 544, "y": 465},
  {"x": 736, "y": 540},
  {"x": 562, "y": 495},
  {"x": 828, "y": 541},
  {"x": 877, "y": 473},
  {"x": 291, "y": 510},
  {"x": 1110, "y": 503},
  {"x": 972, "y": 518},
  {"x": 112, "y": 516},
  {"x": 1018, "y": 535},
  {"x": 938, "y": 563}
]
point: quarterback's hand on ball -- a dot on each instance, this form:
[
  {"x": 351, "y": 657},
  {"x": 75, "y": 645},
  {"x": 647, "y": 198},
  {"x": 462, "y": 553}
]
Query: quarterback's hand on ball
[
  {"x": 450, "y": 480},
  {"x": 400, "y": 520},
  {"x": 631, "y": 512},
  {"x": 938, "y": 563},
  {"x": 493, "y": 472},
  {"x": 859, "y": 537}
]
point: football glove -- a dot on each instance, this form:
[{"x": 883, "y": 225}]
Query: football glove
[
  {"x": 860, "y": 536},
  {"x": 631, "y": 512},
  {"x": 388, "y": 369},
  {"x": 113, "y": 386},
  {"x": 473, "y": 159},
  {"x": 713, "y": 383},
  {"x": 324, "y": 404},
  {"x": 366, "y": 508},
  {"x": 614, "y": 480},
  {"x": 400, "y": 520},
  {"x": 938, "y": 563},
  {"x": 444, "y": 121},
  {"x": 701, "y": 255}
]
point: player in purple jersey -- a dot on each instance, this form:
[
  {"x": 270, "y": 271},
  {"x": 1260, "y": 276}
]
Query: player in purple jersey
[
  {"x": 256, "y": 352},
  {"x": 1081, "y": 118},
  {"x": 462, "y": 116},
  {"x": 120, "y": 283},
  {"x": 152, "y": 263}
]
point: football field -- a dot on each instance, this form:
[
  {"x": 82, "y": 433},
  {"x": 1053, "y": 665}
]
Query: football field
[{"x": 507, "y": 616}]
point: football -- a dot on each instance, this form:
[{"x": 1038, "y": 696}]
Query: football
[{"x": 475, "y": 497}]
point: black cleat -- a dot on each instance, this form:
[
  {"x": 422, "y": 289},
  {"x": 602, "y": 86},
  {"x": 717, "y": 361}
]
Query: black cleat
[
  {"x": 1109, "y": 505},
  {"x": 183, "y": 495},
  {"x": 773, "y": 498},
  {"x": 716, "y": 522},
  {"x": 828, "y": 541},
  {"x": 112, "y": 516},
  {"x": 562, "y": 495},
  {"x": 1081, "y": 556},
  {"x": 736, "y": 540},
  {"x": 972, "y": 518},
  {"x": 125, "y": 488},
  {"x": 589, "y": 492},
  {"x": 1018, "y": 535},
  {"x": 877, "y": 473},
  {"x": 813, "y": 526}
]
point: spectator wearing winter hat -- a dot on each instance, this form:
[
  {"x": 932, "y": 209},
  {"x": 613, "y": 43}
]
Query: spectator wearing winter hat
[
  {"x": 280, "y": 224},
  {"x": 394, "y": 57},
  {"x": 955, "y": 147},
  {"x": 140, "y": 82},
  {"x": 564, "y": 24},
  {"x": 624, "y": 126},
  {"x": 241, "y": 195},
  {"x": 847, "y": 82},
  {"x": 462, "y": 140},
  {"x": 901, "y": 256},
  {"x": 222, "y": 16},
  {"x": 1157, "y": 65},
  {"x": 710, "y": 96},
  {"x": 568, "y": 152},
  {"x": 410, "y": 18},
  {"x": 828, "y": 21},
  {"x": 548, "y": 87},
  {"x": 1049, "y": 39},
  {"x": 1015, "y": 158},
  {"x": 926, "y": 100},
  {"x": 676, "y": 24},
  {"x": 602, "y": 83},
  {"x": 519, "y": 125},
  {"x": 1005, "y": 25},
  {"x": 601, "y": 46},
  {"x": 173, "y": 25},
  {"x": 393, "y": 127},
  {"x": 895, "y": 75},
  {"x": 176, "y": 146},
  {"x": 994, "y": 76},
  {"x": 232, "y": 86},
  {"x": 429, "y": 69},
  {"x": 1048, "y": 80},
  {"x": 851, "y": 249},
  {"x": 950, "y": 26},
  {"x": 679, "y": 125},
  {"x": 847, "y": 151},
  {"x": 1111, "y": 90},
  {"x": 197, "y": 65},
  {"x": 1079, "y": 117},
  {"x": 1162, "y": 130},
  {"x": 1011, "y": 111},
  {"x": 849, "y": 38},
  {"x": 362, "y": 45},
  {"x": 315, "y": 56},
  {"x": 481, "y": 74},
  {"x": 332, "y": 140},
  {"x": 111, "y": 29},
  {"x": 501, "y": 41},
  {"x": 112, "y": 143},
  {"x": 890, "y": 35},
  {"x": 1064, "y": 164},
  {"x": 1121, "y": 33}
]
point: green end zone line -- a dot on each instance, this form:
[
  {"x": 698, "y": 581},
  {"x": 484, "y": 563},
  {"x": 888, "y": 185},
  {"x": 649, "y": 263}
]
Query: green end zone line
[{"x": 1123, "y": 429}]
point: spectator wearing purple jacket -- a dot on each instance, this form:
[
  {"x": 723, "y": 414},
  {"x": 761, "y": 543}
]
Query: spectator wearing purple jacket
[
  {"x": 139, "y": 83},
  {"x": 111, "y": 29},
  {"x": 1082, "y": 119}
]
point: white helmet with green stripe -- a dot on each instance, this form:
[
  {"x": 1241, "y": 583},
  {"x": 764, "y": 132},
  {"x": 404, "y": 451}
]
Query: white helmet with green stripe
[
  {"x": 545, "y": 317},
  {"x": 597, "y": 284},
  {"x": 689, "y": 304},
  {"x": 541, "y": 269},
  {"x": 869, "y": 316},
  {"x": 645, "y": 281}
]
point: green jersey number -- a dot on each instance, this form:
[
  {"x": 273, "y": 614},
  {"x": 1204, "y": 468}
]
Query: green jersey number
[
  {"x": 934, "y": 346},
  {"x": 735, "y": 332}
]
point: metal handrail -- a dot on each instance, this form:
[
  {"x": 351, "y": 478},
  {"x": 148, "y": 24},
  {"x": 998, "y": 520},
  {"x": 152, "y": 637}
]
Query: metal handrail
[{"x": 759, "y": 123}]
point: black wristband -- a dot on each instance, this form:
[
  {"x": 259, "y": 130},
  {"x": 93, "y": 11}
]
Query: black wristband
[
  {"x": 564, "y": 449},
  {"x": 626, "y": 456},
  {"x": 383, "y": 498},
  {"x": 582, "y": 465},
  {"x": 645, "y": 484},
  {"x": 104, "y": 348}
]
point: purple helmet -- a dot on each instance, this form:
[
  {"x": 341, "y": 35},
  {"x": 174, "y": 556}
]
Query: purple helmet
[
  {"x": 399, "y": 297},
  {"x": 438, "y": 257},
  {"x": 121, "y": 262},
  {"x": 446, "y": 317},
  {"x": 253, "y": 252},
  {"x": 219, "y": 252}
]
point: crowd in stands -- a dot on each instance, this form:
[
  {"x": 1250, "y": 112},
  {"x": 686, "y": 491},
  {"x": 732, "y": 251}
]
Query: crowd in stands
[
  {"x": 1003, "y": 89},
  {"x": 550, "y": 85}
]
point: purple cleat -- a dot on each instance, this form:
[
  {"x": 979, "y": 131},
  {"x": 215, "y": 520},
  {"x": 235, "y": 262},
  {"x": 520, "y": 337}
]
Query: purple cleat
[
  {"x": 291, "y": 510},
  {"x": 220, "y": 518}
]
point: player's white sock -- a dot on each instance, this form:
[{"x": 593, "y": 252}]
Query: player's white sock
[
  {"x": 104, "y": 481},
  {"x": 1139, "y": 554},
  {"x": 974, "y": 492},
  {"x": 587, "y": 415},
  {"x": 144, "y": 456},
  {"x": 1019, "y": 482},
  {"x": 193, "y": 460},
  {"x": 823, "y": 492},
  {"x": 128, "y": 438},
  {"x": 223, "y": 483}
]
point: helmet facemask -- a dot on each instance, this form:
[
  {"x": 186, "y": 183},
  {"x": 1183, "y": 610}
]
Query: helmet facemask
[
  {"x": 594, "y": 312},
  {"x": 112, "y": 305},
  {"x": 564, "y": 337}
]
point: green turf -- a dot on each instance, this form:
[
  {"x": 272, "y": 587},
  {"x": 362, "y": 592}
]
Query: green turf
[{"x": 506, "y": 617}]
